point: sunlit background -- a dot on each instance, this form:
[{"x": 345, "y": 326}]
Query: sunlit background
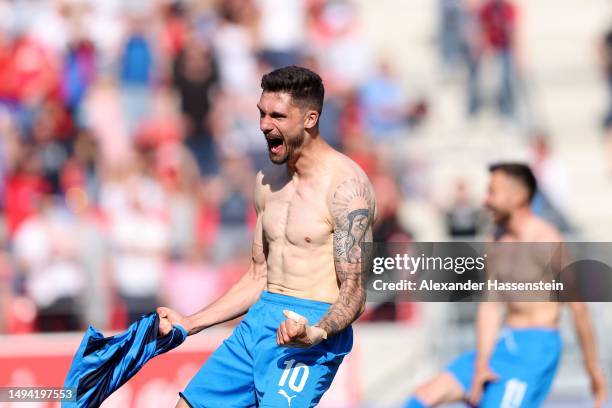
[{"x": 129, "y": 141}]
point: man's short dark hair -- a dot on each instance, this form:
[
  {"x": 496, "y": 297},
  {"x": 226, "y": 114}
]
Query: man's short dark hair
[
  {"x": 520, "y": 172},
  {"x": 302, "y": 84}
]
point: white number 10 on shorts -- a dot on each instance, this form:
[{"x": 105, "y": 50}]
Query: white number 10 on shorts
[{"x": 297, "y": 379}]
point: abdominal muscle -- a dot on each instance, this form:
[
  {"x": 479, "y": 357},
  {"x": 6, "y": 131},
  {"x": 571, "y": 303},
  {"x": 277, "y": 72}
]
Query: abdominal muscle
[
  {"x": 305, "y": 272},
  {"x": 533, "y": 314}
]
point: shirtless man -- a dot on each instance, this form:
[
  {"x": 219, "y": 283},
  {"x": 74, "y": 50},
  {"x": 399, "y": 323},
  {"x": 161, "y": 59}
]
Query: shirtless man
[
  {"x": 304, "y": 287},
  {"x": 518, "y": 369}
]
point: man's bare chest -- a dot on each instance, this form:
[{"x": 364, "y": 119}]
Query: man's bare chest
[{"x": 298, "y": 216}]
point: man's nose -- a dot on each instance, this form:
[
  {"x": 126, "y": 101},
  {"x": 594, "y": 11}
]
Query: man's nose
[{"x": 265, "y": 124}]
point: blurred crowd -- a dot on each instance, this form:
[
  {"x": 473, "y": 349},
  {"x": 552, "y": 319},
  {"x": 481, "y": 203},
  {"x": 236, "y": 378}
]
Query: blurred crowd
[{"x": 129, "y": 141}]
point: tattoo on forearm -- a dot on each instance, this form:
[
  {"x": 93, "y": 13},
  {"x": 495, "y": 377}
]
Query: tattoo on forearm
[{"x": 353, "y": 210}]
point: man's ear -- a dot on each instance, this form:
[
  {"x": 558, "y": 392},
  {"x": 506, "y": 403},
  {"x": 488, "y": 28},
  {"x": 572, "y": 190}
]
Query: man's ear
[
  {"x": 521, "y": 197},
  {"x": 311, "y": 119}
]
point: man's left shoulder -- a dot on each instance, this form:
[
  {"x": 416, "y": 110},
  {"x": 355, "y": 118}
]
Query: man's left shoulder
[
  {"x": 545, "y": 231},
  {"x": 347, "y": 171},
  {"x": 350, "y": 189}
]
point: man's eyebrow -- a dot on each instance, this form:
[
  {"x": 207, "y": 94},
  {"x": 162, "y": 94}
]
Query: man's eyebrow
[{"x": 274, "y": 114}]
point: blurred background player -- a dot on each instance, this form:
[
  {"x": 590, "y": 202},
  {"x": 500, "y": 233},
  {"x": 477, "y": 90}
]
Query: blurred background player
[{"x": 514, "y": 366}]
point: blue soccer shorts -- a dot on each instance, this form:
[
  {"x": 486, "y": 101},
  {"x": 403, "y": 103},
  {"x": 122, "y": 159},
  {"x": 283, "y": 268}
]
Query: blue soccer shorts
[
  {"x": 525, "y": 360},
  {"x": 250, "y": 370}
]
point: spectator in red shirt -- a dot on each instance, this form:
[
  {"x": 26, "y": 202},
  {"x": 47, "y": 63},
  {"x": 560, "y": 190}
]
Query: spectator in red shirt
[
  {"x": 23, "y": 188},
  {"x": 497, "y": 19},
  {"x": 34, "y": 70},
  {"x": 493, "y": 34},
  {"x": 6, "y": 67}
]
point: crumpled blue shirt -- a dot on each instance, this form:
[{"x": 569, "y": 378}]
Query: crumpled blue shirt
[{"x": 103, "y": 364}]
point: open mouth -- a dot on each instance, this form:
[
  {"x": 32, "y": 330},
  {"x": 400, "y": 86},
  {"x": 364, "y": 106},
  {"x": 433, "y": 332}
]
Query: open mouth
[{"x": 275, "y": 144}]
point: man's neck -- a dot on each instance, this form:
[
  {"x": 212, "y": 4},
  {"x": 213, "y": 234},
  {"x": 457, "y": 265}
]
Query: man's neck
[
  {"x": 517, "y": 221},
  {"x": 309, "y": 158}
]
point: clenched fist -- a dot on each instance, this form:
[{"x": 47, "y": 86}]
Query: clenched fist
[
  {"x": 169, "y": 318},
  {"x": 295, "y": 332}
]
